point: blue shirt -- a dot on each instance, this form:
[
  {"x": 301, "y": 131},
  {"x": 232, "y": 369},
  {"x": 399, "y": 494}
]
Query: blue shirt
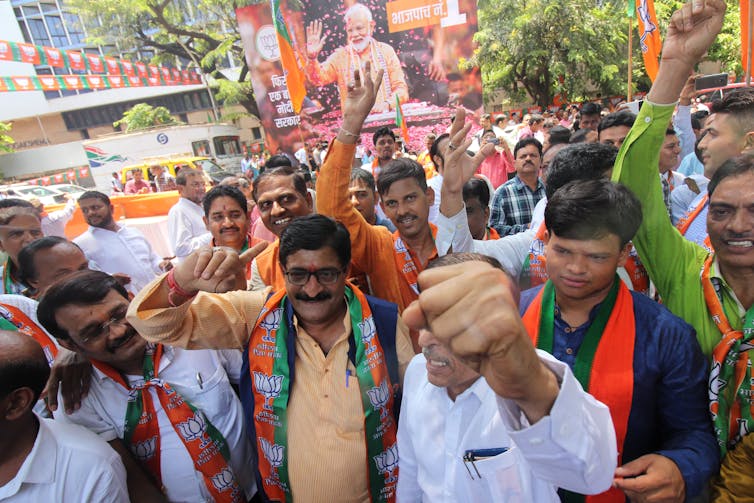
[{"x": 669, "y": 410}]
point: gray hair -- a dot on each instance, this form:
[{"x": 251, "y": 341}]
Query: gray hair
[{"x": 358, "y": 10}]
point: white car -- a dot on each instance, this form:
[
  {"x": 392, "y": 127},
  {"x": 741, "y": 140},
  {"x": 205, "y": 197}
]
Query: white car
[
  {"x": 69, "y": 188},
  {"x": 28, "y": 192}
]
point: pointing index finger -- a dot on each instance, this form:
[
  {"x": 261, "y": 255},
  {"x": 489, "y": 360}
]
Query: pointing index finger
[{"x": 252, "y": 252}]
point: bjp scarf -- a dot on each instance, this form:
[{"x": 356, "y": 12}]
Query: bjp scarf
[
  {"x": 272, "y": 343},
  {"x": 407, "y": 263},
  {"x": 206, "y": 445},
  {"x": 730, "y": 384},
  {"x": 12, "y": 318},
  {"x": 604, "y": 363}
]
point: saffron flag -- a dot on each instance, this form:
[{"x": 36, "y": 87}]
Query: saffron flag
[
  {"x": 649, "y": 37},
  {"x": 400, "y": 119},
  {"x": 294, "y": 77},
  {"x": 745, "y": 35}
]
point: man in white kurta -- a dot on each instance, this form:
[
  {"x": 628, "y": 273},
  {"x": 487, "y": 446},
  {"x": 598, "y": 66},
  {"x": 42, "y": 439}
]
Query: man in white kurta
[
  {"x": 186, "y": 227},
  {"x": 117, "y": 248}
]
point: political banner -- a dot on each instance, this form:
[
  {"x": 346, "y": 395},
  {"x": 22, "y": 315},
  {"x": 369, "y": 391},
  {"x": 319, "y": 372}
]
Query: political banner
[{"x": 418, "y": 44}]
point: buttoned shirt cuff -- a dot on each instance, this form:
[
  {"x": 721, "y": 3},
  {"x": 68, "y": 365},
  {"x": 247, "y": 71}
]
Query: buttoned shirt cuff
[{"x": 453, "y": 232}]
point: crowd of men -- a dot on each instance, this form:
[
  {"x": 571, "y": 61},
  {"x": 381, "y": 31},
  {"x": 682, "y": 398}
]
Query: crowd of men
[{"x": 403, "y": 333}]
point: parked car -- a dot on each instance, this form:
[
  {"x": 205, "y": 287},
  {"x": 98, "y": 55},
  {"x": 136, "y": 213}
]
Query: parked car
[
  {"x": 45, "y": 195},
  {"x": 214, "y": 173},
  {"x": 69, "y": 188}
]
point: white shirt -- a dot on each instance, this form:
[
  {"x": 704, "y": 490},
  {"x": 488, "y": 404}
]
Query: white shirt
[
  {"x": 435, "y": 183},
  {"x": 511, "y": 251},
  {"x": 573, "y": 447},
  {"x": 126, "y": 251},
  {"x": 202, "y": 378},
  {"x": 186, "y": 228},
  {"x": 682, "y": 197},
  {"x": 53, "y": 224},
  {"x": 68, "y": 463}
]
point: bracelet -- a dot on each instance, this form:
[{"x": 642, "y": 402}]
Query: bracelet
[
  {"x": 175, "y": 289},
  {"x": 348, "y": 133}
]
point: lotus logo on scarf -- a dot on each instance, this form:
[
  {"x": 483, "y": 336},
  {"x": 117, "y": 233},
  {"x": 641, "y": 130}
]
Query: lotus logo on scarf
[
  {"x": 273, "y": 453},
  {"x": 715, "y": 384},
  {"x": 224, "y": 480},
  {"x": 368, "y": 330},
  {"x": 270, "y": 323},
  {"x": 145, "y": 450},
  {"x": 387, "y": 462},
  {"x": 268, "y": 387},
  {"x": 401, "y": 248},
  {"x": 379, "y": 396},
  {"x": 193, "y": 428}
]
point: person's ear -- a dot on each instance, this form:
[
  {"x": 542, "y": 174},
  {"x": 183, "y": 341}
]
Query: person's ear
[{"x": 17, "y": 403}]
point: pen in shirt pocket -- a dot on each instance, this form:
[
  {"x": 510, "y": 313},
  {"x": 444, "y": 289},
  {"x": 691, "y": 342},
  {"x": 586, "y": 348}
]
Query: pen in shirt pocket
[
  {"x": 473, "y": 455},
  {"x": 348, "y": 374}
]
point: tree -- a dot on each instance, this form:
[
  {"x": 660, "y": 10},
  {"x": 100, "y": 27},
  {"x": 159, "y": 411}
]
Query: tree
[
  {"x": 202, "y": 32},
  {"x": 5, "y": 140},
  {"x": 542, "y": 48},
  {"x": 143, "y": 116}
]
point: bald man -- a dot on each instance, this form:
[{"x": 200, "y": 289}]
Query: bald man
[{"x": 40, "y": 459}]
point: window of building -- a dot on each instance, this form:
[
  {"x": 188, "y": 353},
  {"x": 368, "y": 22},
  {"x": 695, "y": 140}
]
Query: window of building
[
  {"x": 256, "y": 133},
  {"x": 55, "y": 25},
  {"x": 38, "y": 32},
  {"x": 75, "y": 30},
  {"x": 30, "y": 10}
]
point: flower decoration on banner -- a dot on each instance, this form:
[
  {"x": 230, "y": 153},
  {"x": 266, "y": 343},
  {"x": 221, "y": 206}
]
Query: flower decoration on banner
[
  {"x": 59, "y": 178},
  {"x": 71, "y": 175},
  {"x": 83, "y": 172},
  {"x": 45, "y": 180}
]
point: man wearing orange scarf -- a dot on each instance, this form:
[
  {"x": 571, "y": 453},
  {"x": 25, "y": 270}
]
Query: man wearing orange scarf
[
  {"x": 171, "y": 414},
  {"x": 628, "y": 351}
]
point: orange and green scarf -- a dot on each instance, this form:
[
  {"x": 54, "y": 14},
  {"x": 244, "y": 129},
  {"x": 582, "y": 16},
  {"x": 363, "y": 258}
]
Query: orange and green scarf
[
  {"x": 12, "y": 318},
  {"x": 730, "y": 383},
  {"x": 685, "y": 222},
  {"x": 407, "y": 263},
  {"x": 273, "y": 345},
  {"x": 206, "y": 445},
  {"x": 604, "y": 363}
]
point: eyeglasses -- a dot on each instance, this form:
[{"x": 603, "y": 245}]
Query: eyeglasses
[
  {"x": 300, "y": 277},
  {"x": 103, "y": 331}
]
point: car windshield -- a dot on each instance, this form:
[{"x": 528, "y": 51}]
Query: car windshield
[
  {"x": 70, "y": 189},
  {"x": 208, "y": 166},
  {"x": 34, "y": 191}
]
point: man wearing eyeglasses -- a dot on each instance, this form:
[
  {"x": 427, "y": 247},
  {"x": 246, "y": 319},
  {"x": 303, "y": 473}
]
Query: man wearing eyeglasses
[
  {"x": 171, "y": 414},
  {"x": 323, "y": 362}
]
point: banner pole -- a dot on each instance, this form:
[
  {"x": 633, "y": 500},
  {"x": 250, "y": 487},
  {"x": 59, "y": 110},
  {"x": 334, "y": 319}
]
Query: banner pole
[{"x": 630, "y": 58}]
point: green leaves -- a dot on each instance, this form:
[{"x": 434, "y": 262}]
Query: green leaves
[{"x": 143, "y": 116}]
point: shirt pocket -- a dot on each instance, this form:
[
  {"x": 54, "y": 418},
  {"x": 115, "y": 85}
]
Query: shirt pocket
[{"x": 498, "y": 478}]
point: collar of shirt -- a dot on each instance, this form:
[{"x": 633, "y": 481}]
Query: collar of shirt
[
  {"x": 721, "y": 285},
  {"x": 168, "y": 353},
  {"x": 520, "y": 185},
  {"x": 38, "y": 467},
  {"x": 101, "y": 229},
  {"x": 302, "y": 334}
]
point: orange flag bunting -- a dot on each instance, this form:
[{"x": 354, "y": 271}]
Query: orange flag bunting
[{"x": 649, "y": 36}]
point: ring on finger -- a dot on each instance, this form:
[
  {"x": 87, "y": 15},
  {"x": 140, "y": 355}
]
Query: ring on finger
[{"x": 451, "y": 147}]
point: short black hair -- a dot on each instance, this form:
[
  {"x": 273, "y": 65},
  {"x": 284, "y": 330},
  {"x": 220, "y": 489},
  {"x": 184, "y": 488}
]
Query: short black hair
[
  {"x": 525, "y": 142},
  {"x": 739, "y": 104},
  {"x": 365, "y": 176},
  {"x": 314, "y": 232},
  {"x": 592, "y": 209},
  {"x": 29, "y": 252},
  {"x": 739, "y": 165},
  {"x": 695, "y": 123},
  {"x": 478, "y": 188},
  {"x": 27, "y": 371},
  {"x": 435, "y": 149},
  {"x": 559, "y": 135},
  {"x": 94, "y": 194},
  {"x": 401, "y": 169},
  {"x": 298, "y": 180},
  {"x": 79, "y": 289},
  {"x": 582, "y": 161},
  {"x": 224, "y": 191},
  {"x": 14, "y": 202},
  {"x": 579, "y": 136},
  {"x": 591, "y": 108},
  {"x": 615, "y": 119},
  {"x": 277, "y": 161},
  {"x": 383, "y": 131}
]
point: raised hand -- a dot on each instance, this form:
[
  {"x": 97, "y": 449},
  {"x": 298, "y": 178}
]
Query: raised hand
[
  {"x": 314, "y": 39},
  {"x": 215, "y": 269},
  {"x": 458, "y": 167},
  {"x": 360, "y": 98},
  {"x": 470, "y": 308},
  {"x": 692, "y": 30}
]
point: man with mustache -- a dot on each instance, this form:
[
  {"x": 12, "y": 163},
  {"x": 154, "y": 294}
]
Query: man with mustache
[
  {"x": 362, "y": 47},
  {"x": 171, "y": 414},
  {"x": 514, "y": 201},
  {"x": 449, "y": 408},
  {"x": 115, "y": 248},
  {"x": 323, "y": 362}
]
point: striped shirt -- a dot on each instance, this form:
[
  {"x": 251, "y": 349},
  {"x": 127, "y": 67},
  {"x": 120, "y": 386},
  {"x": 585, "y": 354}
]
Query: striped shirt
[{"x": 513, "y": 205}]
